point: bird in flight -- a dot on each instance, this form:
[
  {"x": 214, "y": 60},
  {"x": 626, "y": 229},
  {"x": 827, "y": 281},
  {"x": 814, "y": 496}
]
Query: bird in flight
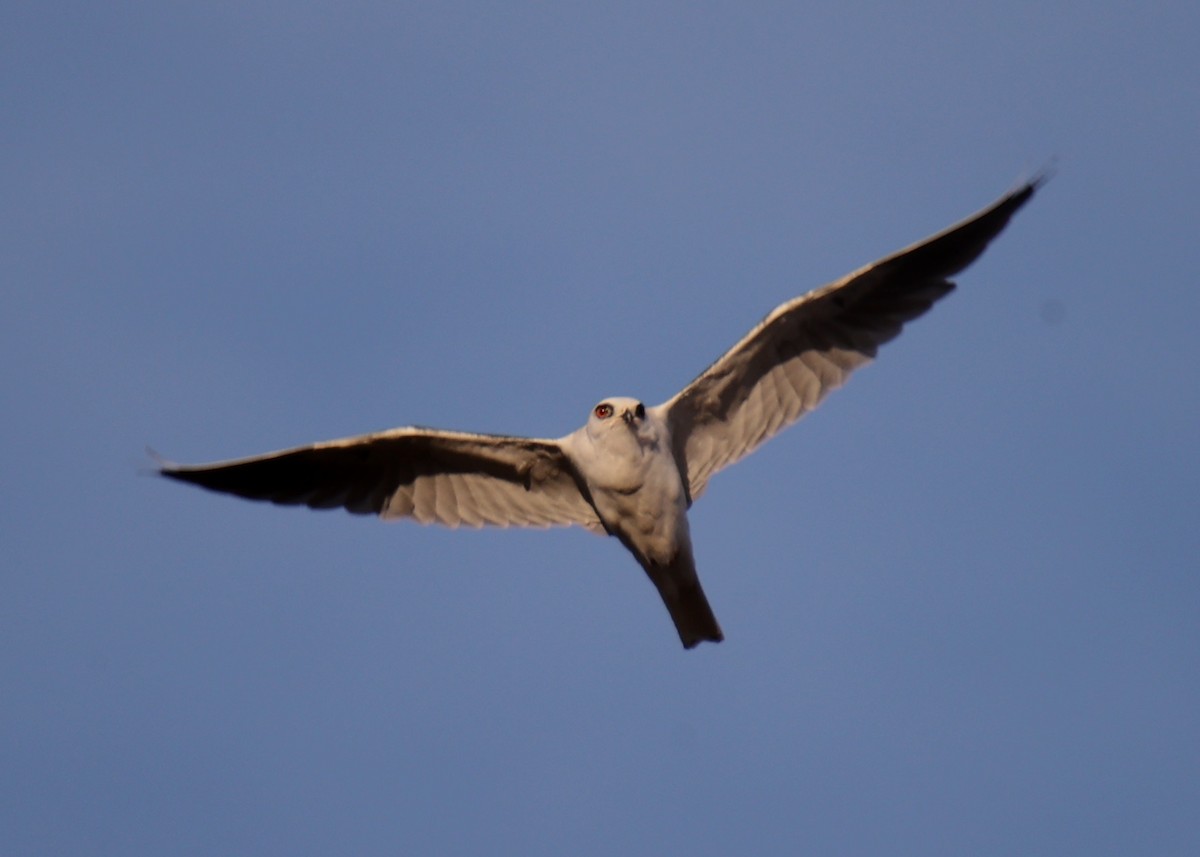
[{"x": 631, "y": 471}]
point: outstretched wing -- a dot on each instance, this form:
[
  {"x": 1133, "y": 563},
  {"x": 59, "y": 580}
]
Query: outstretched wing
[
  {"x": 808, "y": 346},
  {"x": 449, "y": 478}
]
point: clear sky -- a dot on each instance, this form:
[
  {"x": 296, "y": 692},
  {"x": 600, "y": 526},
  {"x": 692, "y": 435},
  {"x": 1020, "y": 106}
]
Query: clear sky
[{"x": 961, "y": 601}]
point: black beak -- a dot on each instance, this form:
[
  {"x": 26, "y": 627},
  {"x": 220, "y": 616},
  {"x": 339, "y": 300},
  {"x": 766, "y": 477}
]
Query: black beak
[{"x": 628, "y": 417}]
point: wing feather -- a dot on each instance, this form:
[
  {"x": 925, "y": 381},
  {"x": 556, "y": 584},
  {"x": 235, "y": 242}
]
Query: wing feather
[
  {"x": 450, "y": 478},
  {"x": 807, "y": 347}
]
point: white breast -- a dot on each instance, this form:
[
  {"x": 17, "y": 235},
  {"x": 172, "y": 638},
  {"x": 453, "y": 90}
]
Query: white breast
[{"x": 635, "y": 485}]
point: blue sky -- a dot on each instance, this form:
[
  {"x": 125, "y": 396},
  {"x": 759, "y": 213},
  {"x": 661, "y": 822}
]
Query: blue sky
[{"x": 960, "y": 600}]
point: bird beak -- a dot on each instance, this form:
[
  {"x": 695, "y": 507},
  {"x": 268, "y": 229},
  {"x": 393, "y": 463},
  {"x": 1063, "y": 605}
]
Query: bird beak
[{"x": 628, "y": 417}]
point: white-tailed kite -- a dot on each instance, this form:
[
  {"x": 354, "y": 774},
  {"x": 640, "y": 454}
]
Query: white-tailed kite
[{"x": 631, "y": 471}]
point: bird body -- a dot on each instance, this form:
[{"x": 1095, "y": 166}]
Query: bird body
[
  {"x": 626, "y": 461},
  {"x": 630, "y": 471},
  {"x": 625, "y": 458}
]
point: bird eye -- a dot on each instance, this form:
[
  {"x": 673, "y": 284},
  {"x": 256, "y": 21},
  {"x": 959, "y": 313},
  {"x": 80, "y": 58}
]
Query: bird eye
[
  {"x": 604, "y": 411},
  {"x": 640, "y": 411}
]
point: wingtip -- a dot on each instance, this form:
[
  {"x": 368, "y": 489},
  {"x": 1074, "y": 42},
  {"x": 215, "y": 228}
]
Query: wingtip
[
  {"x": 1029, "y": 186},
  {"x": 168, "y": 469},
  {"x": 159, "y": 465},
  {"x": 1016, "y": 199},
  {"x": 693, "y": 641}
]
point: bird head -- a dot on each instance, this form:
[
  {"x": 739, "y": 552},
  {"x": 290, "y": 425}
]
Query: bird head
[{"x": 616, "y": 412}]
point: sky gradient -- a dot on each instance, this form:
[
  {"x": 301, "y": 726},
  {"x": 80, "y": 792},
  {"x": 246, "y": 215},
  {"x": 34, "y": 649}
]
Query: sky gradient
[{"x": 960, "y": 600}]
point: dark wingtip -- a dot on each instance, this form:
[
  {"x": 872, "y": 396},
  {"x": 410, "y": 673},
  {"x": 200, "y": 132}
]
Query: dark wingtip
[
  {"x": 1044, "y": 174},
  {"x": 175, "y": 471},
  {"x": 1028, "y": 187},
  {"x": 707, "y": 637},
  {"x": 159, "y": 466}
]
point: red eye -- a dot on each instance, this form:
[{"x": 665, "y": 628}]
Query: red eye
[{"x": 603, "y": 411}]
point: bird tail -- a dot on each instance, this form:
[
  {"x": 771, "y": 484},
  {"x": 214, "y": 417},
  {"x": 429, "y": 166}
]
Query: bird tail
[{"x": 681, "y": 592}]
